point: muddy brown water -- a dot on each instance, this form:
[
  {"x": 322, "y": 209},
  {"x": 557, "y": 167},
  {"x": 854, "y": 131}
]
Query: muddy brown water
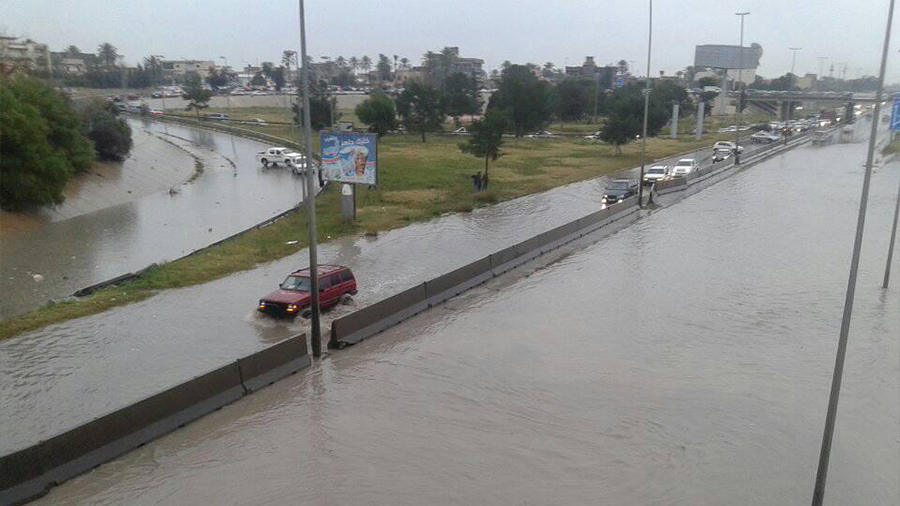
[
  {"x": 62, "y": 375},
  {"x": 685, "y": 359},
  {"x": 87, "y": 249}
]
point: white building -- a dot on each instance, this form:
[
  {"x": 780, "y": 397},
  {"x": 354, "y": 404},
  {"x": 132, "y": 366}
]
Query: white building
[{"x": 24, "y": 53}]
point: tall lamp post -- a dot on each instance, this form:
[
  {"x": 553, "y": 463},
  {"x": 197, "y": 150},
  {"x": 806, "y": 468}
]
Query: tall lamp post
[
  {"x": 159, "y": 58},
  {"x": 646, "y": 108},
  {"x": 740, "y": 101},
  {"x": 831, "y": 414},
  {"x": 793, "y": 51},
  {"x": 228, "y": 96},
  {"x": 315, "y": 329}
]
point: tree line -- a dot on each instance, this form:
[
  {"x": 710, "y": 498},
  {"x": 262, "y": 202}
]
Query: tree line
[{"x": 45, "y": 140}]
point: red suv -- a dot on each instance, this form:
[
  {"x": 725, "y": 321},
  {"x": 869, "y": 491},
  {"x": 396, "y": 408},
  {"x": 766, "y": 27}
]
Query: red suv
[{"x": 293, "y": 297}]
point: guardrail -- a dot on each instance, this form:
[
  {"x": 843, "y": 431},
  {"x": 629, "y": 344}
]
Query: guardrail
[
  {"x": 388, "y": 312},
  {"x": 30, "y": 473}
]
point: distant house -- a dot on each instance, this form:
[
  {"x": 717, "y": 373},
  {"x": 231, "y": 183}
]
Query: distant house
[
  {"x": 472, "y": 67},
  {"x": 177, "y": 69},
  {"x": 73, "y": 63},
  {"x": 25, "y": 54},
  {"x": 590, "y": 70}
]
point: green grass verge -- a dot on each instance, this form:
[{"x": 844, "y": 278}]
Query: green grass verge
[{"x": 417, "y": 182}]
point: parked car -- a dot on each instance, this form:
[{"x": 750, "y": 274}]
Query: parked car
[
  {"x": 460, "y": 131},
  {"x": 619, "y": 190},
  {"x": 656, "y": 174},
  {"x": 216, "y": 116},
  {"x": 296, "y": 162},
  {"x": 721, "y": 154},
  {"x": 155, "y": 112},
  {"x": 821, "y": 137},
  {"x": 543, "y": 134},
  {"x": 728, "y": 145},
  {"x": 156, "y": 94},
  {"x": 293, "y": 297},
  {"x": 766, "y": 137},
  {"x": 684, "y": 167},
  {"x": 273, "y": 156},
  {"x": 594, "y": 136},
  {"x": 257, "y": 122}
]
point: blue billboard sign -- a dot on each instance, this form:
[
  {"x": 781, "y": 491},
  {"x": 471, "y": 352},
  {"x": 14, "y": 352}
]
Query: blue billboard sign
[
  {"x": 895, "y": 115},
  {"x": 350, "y": 157},
  {"x": 620, "y": 82}
]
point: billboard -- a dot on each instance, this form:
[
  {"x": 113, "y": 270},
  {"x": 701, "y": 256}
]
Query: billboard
[
  {"x": 895, "y": 115},
  {"x": 727, "y": 57},
  {"x": 350, "y": 157}
]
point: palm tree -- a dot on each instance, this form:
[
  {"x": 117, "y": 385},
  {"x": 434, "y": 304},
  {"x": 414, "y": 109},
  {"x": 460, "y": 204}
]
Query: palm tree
[
  {"x": 288, "y": 58},
  {"x": 366, "y": 63},
  {"x": 72, "y": 50},
  {"x": 108, "y": 54},
  {"x": 405, "y": 62},
  {"x": 340, "y": 61},
  {"x": 354, "y": 63}
]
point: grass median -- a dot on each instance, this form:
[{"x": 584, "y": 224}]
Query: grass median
[{"x": 417, "y": 181}]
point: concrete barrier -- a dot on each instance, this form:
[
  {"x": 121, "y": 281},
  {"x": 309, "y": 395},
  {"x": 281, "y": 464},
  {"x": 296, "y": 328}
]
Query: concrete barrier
[
  {"x": 103, "y": 439},
  {"x": 31, "y": 472},
  {"x": 273, "y": 363},
  {"x": 458, "y": 281},
  {"x": 504, "y": 260},
  {"x": 382, "y": 315},
  {"x": 22, "y": 476}
]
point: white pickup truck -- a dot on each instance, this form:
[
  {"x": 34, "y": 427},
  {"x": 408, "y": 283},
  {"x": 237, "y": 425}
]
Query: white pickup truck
[
  {"x": 296, "y": 162},
  {"x": 275, "y": 156}
]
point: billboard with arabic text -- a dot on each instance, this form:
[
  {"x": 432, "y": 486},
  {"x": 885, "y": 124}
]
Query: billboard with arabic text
[{"x": 350, "y": 157}]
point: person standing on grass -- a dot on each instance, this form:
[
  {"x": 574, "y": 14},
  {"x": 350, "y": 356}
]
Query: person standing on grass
[{"x": 476, "y": 182}]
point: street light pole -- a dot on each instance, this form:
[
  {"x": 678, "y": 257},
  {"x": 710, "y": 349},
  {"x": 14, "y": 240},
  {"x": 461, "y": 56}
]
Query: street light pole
[
  {"x": 646, "y": 108},
  {"x": 740, "y": 101},
  {"x": 310, "y": 195},
  {"x": 159, "y": 62},
  {"x": 825, "y": 452},
  {"x": 821, "y": 69},
  {"x": 227, "y": 97},
  {"x": 793, "y": 51}
]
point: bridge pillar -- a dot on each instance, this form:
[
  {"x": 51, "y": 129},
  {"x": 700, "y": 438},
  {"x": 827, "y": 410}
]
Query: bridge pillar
[{"x": 674, "y": 133}]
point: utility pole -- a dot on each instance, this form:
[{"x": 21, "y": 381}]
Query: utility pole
[
  {"x": 793, "y": 51},
  {"x": 740, "y": 102},
  {"x": 310, "y": 195},
  {"x": 890, "y": 255},
  {"x": 158, "y": 58},
  {"x": 825, "y": 452},
  {"x": 821, "y": 69},
  {"x": 646, "y": 108},
  {"x": 227, "y": 97}
]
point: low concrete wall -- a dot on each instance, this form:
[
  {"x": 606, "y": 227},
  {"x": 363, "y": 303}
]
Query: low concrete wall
[
  {"x": 382, "y": 315},
  {"x": 31, "y": 472}
]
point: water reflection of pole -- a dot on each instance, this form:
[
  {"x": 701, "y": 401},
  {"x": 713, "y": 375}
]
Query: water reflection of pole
[
  {"x": 316, "y": 337},
  {"x": 825, "y": 453}
]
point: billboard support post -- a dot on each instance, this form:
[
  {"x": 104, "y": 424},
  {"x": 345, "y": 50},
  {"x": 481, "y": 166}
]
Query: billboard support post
[
  {"x": 674, "y": 133},
  {"x": 701, "y": 111}
]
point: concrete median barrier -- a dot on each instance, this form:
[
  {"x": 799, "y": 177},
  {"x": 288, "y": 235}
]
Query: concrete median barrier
[
  {"x": 560, "y": 235},
  {"x": 504, "y": 260},
  {"x": 103, "y": 439},
  {"x": 458, "y": 281},
  {"x": 382, "y": 315},
  {"x": 271, "y": 364},
  {"x": 22, "y": 476},
  {"x": 30, "y": 472}
]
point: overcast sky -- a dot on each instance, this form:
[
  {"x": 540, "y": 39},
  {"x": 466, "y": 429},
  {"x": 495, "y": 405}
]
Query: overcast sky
[{"x": 560, "y": 31}]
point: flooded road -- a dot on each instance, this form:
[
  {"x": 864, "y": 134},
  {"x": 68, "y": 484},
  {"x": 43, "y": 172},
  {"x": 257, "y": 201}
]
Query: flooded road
[
  {"x": 684, "y": 360},
  {"x": 60, "y": 376},
  {"x": 87, "y": 249}
]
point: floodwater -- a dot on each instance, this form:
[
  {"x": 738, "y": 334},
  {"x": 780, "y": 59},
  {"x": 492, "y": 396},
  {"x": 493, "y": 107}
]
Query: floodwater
[
  {"x": 62, "y": 375},
  {"x": 90, "y": 248},
  {"x": 685, "y": 359}
]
